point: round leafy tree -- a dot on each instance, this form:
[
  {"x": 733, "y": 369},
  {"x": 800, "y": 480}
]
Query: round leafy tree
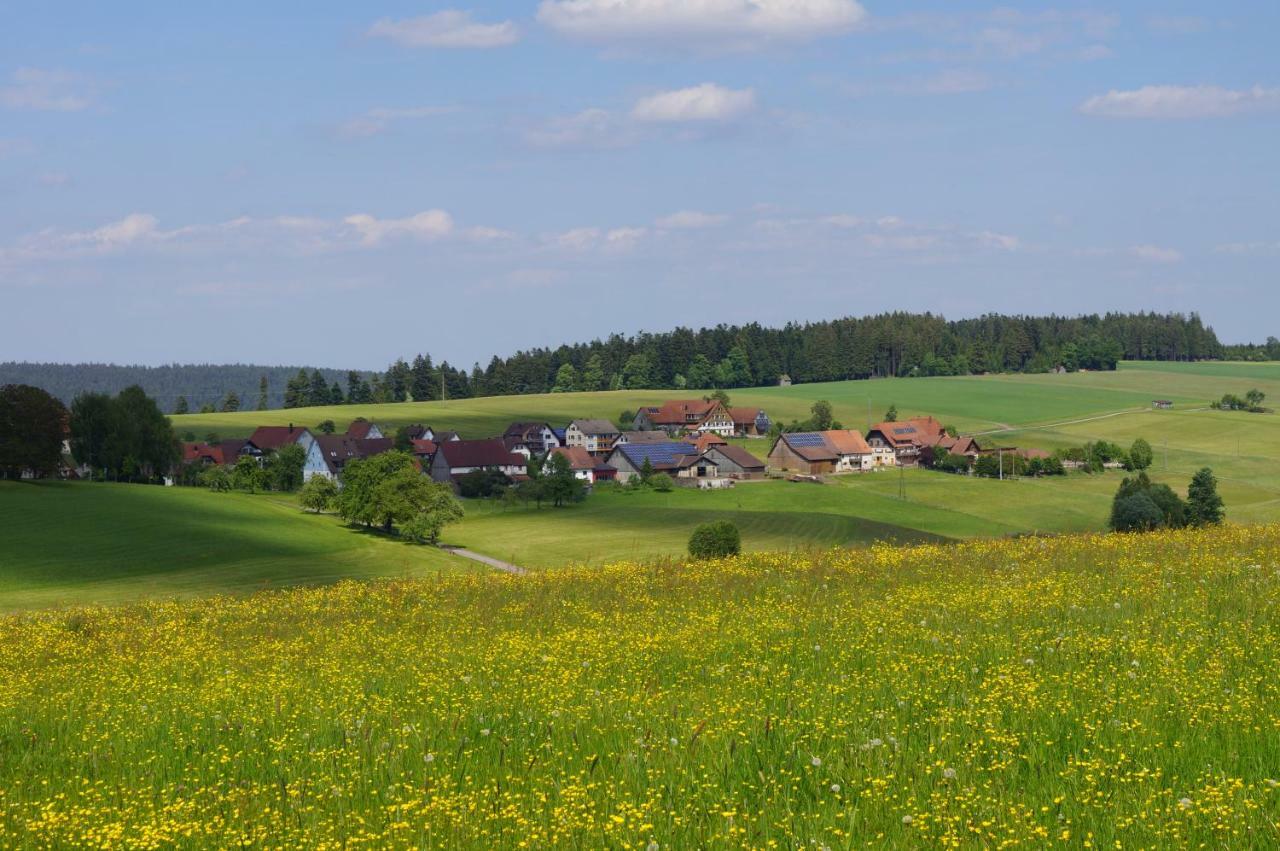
[{"x": 714, "y": 540}]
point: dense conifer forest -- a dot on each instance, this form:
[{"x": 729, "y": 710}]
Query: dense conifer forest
[{"x": 892, "y": 344}]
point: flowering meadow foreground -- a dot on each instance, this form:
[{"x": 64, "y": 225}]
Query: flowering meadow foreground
[{"x": 1087, "y": 691}]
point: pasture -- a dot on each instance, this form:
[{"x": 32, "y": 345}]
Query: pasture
[
  {"x": 80, "y": 543},
  {"x": 1083, "y": 691},
  {"x": 971, "y": 403}
]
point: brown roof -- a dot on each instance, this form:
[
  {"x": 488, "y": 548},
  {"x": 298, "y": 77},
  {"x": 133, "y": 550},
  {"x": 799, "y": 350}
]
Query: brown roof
[
  {"x": 479, "y": 453},
  {"x": 744, "y": 416},
  {"x": 424, "y": 447},
  {"x": 706, "y": 441},
  {"x": 269, "y": 438},
  {"x": 917, "y": 431},
  {"x": 595, "y": 426},
  {"x": 678, "y": 412},
  {"x": 579, "y": 458},
  {"x": 359, "y": 429},
  {"x": 652, "y": 436},
  {"x": 373, "y": 446},
  {"x": 822, "y": 451},
  {"x": 526, "y": 431},
  {"x": 847, "y": 442},
  {"x": 739, "y": 456}
]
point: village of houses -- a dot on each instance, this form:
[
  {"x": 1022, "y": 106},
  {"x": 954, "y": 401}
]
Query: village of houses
[{"x": 686, "y": 439}]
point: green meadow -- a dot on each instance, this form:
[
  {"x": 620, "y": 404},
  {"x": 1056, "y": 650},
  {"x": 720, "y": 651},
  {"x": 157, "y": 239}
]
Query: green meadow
[
  {"x": 971, "y": 403},
  {"x": 79, "y": 543},
  {"x": 84, "y": 543}
]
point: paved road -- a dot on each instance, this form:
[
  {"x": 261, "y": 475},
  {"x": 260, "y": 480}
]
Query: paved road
[{"x": 489, "y": 560}]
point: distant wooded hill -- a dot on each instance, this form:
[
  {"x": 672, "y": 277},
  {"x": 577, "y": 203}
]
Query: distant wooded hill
[
  {"x": 726, "y": 356},
  {"x": 200, "y": 384}
]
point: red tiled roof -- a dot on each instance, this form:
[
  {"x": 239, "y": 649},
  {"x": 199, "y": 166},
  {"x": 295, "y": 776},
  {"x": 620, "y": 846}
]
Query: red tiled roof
[
  {"x": 424, "y": 447},
  {"x": 847, "y": 442},
  {"x": 359, "y": 429},
  {"x": 579, "y": 458},
  {"x": 744, "y": 416},
  {"x": 678, "y": 412},
  {"x": 706, "y": 441}
]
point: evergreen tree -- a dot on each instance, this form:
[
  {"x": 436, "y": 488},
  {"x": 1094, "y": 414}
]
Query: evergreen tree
[
  {"x": 317, "y": 390},
  {"x": 181, "y": 407},
  {"x": 335, "y": 394},
  {"x": 1204, "y": 505},
  {"x": 295, "y": 393},
  {"x": 424, "y": 384},
  {"x": 231, "y": 402},
  {"x": 262, "y": 393}
]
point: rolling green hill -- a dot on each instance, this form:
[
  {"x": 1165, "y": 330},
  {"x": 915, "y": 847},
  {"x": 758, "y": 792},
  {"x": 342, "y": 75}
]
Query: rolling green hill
[
  {"x": 99, "y": 543},
  {"x": 972, "y": 403},
  {"x": 93, "y": 543}
]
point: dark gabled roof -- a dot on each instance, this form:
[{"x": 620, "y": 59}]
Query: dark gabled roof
[
  {"x": 810, "y": 445},
  {"x": 359, "y": 429},
  {"x": 478, "y": 453},
  {"x": 336, "y": 450},
  {"x": 526, "y": 430},
  {"x": 373, "y": 446},
  {"x": 745, "y": 416},
  {"x": 653, "y": 436},
  {"x": 270, "y": 438},
  {"x": 660, "y": 455},
  {"x": 739, "y": 456},
  {"x": 231, "y": 448}
]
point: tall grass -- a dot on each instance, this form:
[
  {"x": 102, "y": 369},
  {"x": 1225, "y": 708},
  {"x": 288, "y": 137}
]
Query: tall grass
[{"x": 1085, "y": 691}]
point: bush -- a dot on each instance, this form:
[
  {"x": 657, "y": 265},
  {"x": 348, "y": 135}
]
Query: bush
[
  {"x": 1204, "y": 506},
  {"x": 482, "y": 483},
  {"x": 661, "y": 482},
  {"x": 715, "y": 540},
  {"x": 1135, "y": 513},
  {"x": 318, "y": 494}
]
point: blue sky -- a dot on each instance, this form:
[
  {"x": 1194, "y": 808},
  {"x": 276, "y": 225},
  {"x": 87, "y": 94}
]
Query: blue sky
[{"x": 342, "y": 184}]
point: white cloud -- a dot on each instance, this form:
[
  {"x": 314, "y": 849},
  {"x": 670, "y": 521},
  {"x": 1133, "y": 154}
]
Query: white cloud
[
  {"x": 1002, "y": 241},
  {"x": 429, "y": 224},
  {"x": 843, "y": 220},
  {"x": 380, "y": 119},
  {"x": 130, "y": 229},
  {"x": 1156, "y": 254},
  {"x": 578, "y": 239},
  {"x": 591, "y": 128},
  {"x": 732, "y": 24},
  {"x": 450, "y": 28},
  {"x": 624, "y": 237},
  {"x": 592, "y": 238},
  {"x": 1181, "y": 102},
  {"x": 690, "y": 220},
  {"x": 46, "y": 91},
  {"x": 707, "y": 102}
]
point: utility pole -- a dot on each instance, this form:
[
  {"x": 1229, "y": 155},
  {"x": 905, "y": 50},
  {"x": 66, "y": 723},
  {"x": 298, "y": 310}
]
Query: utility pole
[
  {"x": 1000, "y": 456},
  {"x": 902, "y": 482},
  {"x": 442, "y": 396},
  {"x": 868, "y": 413}
]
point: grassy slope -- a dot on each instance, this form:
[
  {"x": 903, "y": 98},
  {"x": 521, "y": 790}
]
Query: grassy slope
[
  {"x": 80, "y": 543},
  {"x": 971, "y": 403}
]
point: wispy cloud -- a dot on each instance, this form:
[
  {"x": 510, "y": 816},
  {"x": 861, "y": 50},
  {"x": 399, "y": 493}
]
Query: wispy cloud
[
  {"x": 706, "y": 102},
  {"x": 716, "y": 24},
  {"x": 1156, "y": 254},
  {"x": 47, "y": 90},
  {"x": 380, "y": 119},
  {"x": 590, "y": 128},
  {"x": 450, "y": 28},
  {"x": 1181, "y": 102},
  {"x": 690, "y": 220}
]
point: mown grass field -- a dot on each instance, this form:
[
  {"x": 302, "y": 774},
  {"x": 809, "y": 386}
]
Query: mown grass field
[
  {"x": 1105, "y": 691},
  {"x": 73, "y": 545},
  {"x": 973, "y": 403},
  {"x": 76, "y": 543}
]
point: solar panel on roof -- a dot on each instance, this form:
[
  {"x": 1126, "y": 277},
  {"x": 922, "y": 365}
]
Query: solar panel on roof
[
  {"x": 807, "y": 439},
  {"x": 904, "y": 431},
  {"x": 657, "y": 453}
]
